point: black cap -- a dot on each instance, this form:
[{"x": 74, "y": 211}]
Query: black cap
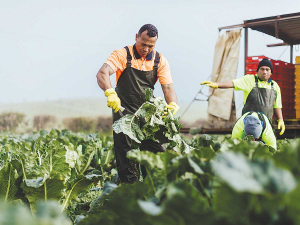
[{"x": 265, "y": 62}]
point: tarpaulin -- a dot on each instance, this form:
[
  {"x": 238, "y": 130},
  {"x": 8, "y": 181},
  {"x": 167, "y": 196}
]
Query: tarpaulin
[{"x": 224, "y": 68}]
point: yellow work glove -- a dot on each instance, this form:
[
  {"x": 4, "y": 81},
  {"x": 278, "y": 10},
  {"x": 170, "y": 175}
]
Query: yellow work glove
[
  {"x": 173, "y": 107},
  {"x": 210, "y": 84},
  {"x": 113, "y": 101},
  {"x": 281, "y": 126}
]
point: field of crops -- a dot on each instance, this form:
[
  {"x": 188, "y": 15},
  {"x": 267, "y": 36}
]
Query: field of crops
[
  {"x": 64, "y": 177},
  {"x": 60, "y": 177}
]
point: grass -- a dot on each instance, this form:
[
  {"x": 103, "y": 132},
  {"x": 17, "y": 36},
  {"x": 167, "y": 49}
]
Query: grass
[{"x": 91, "y": 107}]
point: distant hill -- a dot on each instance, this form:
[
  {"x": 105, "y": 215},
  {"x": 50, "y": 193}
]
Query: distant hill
[{"x": 89, "y": 107}]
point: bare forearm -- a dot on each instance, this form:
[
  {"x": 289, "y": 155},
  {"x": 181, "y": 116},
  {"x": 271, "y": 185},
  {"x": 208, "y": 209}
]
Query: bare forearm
[
  {"x": 169, "y": 93},
  {"x": 103, "y": 78},
  {"x": 278, "y": 114},
  {"x": 225, "y": 84},
  {"x": 103, "y": 81}
]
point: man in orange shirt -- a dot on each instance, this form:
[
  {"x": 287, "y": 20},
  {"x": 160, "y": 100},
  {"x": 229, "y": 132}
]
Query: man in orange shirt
[{"x": 137, "y": 68}]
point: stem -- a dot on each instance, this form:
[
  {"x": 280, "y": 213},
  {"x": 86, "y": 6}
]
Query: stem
[
  {"x": 251, "y": 154},
  {"x": 32, "y": 211},
  {"x": 40, "y": 158},
  {"x": 205, "y": 192},
  {"x": 172, "y": 118},
  {"x": 45, "y": 190},
  {"x": 51, "y": 161},
  {"x": 148, "y": 174},
  {"x": 179, "y": 219},
  {"x": 170, "y": 114},
  {"x": 23, "y": 169},
  {"x": 87, "y": 164},
  {"x": 8, "y": 184},
  {"x": 68, "y": 195},
  {"x": 107, "y": 157}
]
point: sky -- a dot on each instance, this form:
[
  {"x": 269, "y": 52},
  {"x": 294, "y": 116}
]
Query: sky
[{"x": 52, "y": 50}]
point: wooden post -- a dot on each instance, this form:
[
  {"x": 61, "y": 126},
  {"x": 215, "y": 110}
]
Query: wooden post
[{"x": 246, "y": 47}]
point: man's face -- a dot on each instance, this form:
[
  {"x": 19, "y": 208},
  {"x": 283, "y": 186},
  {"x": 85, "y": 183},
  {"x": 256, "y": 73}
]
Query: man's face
[
  {"x": 264, "y": 73},
  {"x": 144, "y": 44}
]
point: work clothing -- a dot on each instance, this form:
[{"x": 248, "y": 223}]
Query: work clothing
[
  {"x": 113, "y": 101},
  {"x": 210, "y": 84},
  {"x": 259, "y": 95},
  {"x": 268, "y": 136},
  {"x": 281, "y": 126},
  {"x": 131, "y": 90},
  {"x": 173, "y": 107},
  {"x": 118, "y": 60},
  {"x": 261, "y": 100}
]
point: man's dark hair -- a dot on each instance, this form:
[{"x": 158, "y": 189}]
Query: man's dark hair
[{"x": 152, "y": 30}]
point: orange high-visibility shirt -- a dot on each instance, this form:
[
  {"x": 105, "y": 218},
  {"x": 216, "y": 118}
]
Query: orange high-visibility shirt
[{"x": 118, "y": 59}]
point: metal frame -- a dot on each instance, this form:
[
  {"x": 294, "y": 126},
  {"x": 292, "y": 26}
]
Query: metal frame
[{"x": 263, "y": 21}]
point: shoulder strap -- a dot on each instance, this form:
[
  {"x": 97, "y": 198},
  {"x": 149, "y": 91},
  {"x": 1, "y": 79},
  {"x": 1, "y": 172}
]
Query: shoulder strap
[
  {"x": 156, "y": 60},
  {"x": 262, "y": 118},
  {"x": 272, "y": 85},
  {"x": 256, "y": 81},
  {"x": 129, "y": 57}
]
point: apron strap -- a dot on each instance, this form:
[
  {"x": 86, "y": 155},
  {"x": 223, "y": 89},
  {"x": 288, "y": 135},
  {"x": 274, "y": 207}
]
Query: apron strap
[
  {"x": 156, "y": 61},
  {"x": 272, "y": 85},
  {"x": 129, "y": 57},
  {"x": 256, "y": 81},
  {"x": 262, "y": 118}
]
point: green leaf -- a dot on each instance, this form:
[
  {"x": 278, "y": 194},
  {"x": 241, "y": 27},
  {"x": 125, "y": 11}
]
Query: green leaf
[
  {"x": 289, "y": 157},
  {"x": 84, "y": 158},
  {"x": 252, "y": 149},
  {"x": 206, "y": 153},
  {"x": 255, "y": 177},
  {"x": 8, "y": 180},
  {"x": 156, "y": 171},
  {"x": 130, "y": 127},
  {"x": 50, "y": 187},
  {"x": 81, "y": 184},
  {"x": 180, "y": 165}
]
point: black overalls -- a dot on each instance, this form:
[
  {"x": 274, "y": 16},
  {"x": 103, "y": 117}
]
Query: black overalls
[
  {"x": 261, "y": 100},
  {"x": 131, "y": 88}
]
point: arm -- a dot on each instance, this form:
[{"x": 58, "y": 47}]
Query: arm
[
  {"x": 169, "y": 93},
  {"x": 238, "y": 129},
  {"x": 103, "y": 79},
  {"x": 278, "y": 114},
  {"x": 268, "y": 135},
  {"x": 225, "y": 84}
]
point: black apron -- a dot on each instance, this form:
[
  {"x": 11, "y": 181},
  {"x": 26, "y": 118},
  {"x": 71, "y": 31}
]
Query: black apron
[
  {"x": 261, "y": 100},
  {"x": 131, "y": 88}
]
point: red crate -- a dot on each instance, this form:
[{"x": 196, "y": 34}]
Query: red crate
[
  {"x": 255, "y": 59},
  {"x": 251, "y": 72},
  {"x": 251, "y": 66},
  {"x": 279, "y": 82},
  {"x": 276, "y": 76},
  {"x": 279, "y": 63}
]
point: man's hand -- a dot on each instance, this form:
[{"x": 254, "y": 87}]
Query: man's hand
[
  {"x": 113, "y": 101},
  {"x": 173, "y": 107},
  {"x": 210, "y": 84},
  {"x": 281, "y": 126}
]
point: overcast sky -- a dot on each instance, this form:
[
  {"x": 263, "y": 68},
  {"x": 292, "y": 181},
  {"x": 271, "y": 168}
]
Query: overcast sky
[{"x": 53, "y": 49}]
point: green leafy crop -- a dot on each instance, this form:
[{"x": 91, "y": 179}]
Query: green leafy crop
[{"x": 147, "y": 124}]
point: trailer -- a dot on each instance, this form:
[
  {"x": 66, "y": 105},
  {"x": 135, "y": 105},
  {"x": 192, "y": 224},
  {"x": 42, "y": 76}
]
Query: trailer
[{"x": 286, "y": 28}]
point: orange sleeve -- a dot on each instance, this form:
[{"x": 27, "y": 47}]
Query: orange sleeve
[
  {"x": 117, "y": 60},
  {"x": 164, "y": 72}
]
